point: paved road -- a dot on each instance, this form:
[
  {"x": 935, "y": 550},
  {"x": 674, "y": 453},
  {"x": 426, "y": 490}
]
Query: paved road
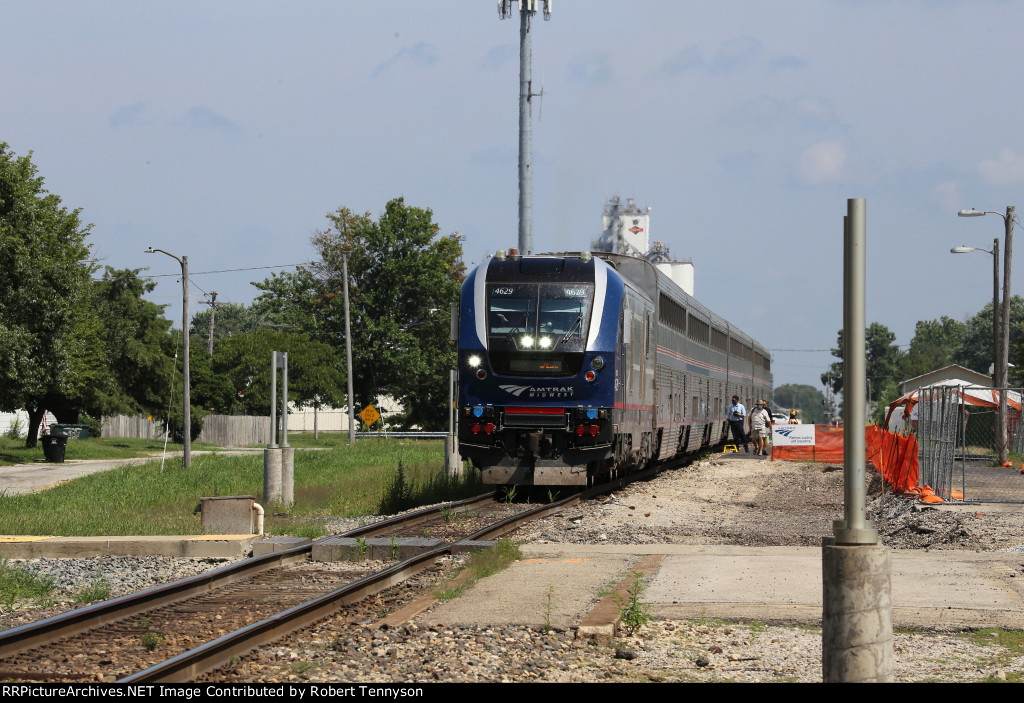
[{"x": 34, "y": 477}]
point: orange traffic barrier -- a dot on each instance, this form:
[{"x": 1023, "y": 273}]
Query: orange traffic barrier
[{"x": 894, "y": 455}]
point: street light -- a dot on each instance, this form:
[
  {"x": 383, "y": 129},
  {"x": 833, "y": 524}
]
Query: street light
[
  {"x": 995, "y": 299},
  {"x": 186, "y": 385},
  {"x": 1003, "y": 339}
]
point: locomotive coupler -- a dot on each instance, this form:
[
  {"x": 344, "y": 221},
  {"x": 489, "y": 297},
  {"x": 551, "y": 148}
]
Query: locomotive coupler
[{"x": 536, "y": 444}]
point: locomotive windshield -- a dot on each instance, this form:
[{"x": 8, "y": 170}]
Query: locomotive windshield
[{"x": 538, "y": 328}]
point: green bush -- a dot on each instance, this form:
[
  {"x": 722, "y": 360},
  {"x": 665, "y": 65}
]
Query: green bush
[{"x": 196, "y": 420}]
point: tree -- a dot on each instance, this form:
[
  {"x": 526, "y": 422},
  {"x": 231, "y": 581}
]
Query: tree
[
  {"x": 935, "y": 344},
  {"x": 49, "y": 353},
  {"x": 808, "y": 400},
  {"x": 882, "y": 359},
  {"x": 138, "y": 347},
  {"x": 314, "y": 370},
  {"x": 403, "y": 281},
  {"x": 230, "y": 319},
  {"x": 975, "y": 350}
]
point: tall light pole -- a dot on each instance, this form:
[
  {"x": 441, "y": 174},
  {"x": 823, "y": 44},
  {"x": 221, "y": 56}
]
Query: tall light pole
[
  {"x": 527, "y": 9},
  {"x": 1004, "y": 343},
  {"x": 186, "y": 383},
  {"x": 995, "y": 301}
]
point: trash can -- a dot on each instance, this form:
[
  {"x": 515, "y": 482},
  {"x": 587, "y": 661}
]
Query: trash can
[
  {"x": 70, "y": 431},
  {"x": 54, "y": 447}
]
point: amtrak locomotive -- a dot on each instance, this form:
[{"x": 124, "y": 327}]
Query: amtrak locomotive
[{"x": 580, "y": 365}]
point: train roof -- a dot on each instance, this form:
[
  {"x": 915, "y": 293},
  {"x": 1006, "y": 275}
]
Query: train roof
[
  {"x": 540, "y": 268},
  {"x": 645, "y": 276}
]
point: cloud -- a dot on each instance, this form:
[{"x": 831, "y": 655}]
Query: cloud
[
  {"x": 422, "y": 54},
  {"x": 589, "y": 69},
  {"x": 1007, "y": 169},
  {"x": 499, "y": 56},
  {"x": 202, "y": 117},
  {"x": 736, "y": 54},
  {"x": 949, "y": 196},
  {"x": 732, "y": 56},
  {"x": 787, "y": 62},
  {"x": 129, "y": 116},
  {"x": 806, "y": 113},
  {"x": 741, "y": 161},
  {"x": 682, "y": 61},
  {"x": 824, "y": 162}
]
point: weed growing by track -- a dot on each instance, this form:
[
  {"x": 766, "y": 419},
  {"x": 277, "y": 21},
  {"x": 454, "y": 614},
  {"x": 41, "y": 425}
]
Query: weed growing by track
[
  {"x": 481, "y": 563},
  {"x": 98, "y": 590},
  {"x": 18, "y": 585},
  {"x": 145, "y": 500},
  {"x": 633, "y": 612}
]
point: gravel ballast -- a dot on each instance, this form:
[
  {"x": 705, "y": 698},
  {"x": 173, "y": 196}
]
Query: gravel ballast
[{"x": 731, "y": 500}]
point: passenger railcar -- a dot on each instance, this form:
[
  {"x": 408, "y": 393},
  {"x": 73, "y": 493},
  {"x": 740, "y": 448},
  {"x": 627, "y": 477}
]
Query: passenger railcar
[{"x": 577, "y": 365}]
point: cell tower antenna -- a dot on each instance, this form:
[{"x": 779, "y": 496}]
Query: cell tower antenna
[{"x": 527, "y": 9}]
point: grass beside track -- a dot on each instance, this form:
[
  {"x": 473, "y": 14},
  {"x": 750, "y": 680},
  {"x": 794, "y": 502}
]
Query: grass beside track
[
  {"x": 13, "y": 451},
  {"x": 373, "y": 476}
]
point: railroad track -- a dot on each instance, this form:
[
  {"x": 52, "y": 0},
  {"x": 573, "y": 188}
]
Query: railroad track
[{"x": 211, "y": 618}]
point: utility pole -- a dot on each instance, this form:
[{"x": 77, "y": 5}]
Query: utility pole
[
  {"x": 186, "y": 380},
  {"x": 1002, "y": 350},
  {"x": 527, "y": 9},
  {"x": 213, "y": 314},
  {"x": 348, "y": 357}
]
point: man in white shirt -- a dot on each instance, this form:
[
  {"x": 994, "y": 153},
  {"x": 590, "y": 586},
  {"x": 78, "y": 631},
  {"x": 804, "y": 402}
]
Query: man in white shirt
[
  {"x": 736, "y": 414},
  {"x": 760, "y": 422}
]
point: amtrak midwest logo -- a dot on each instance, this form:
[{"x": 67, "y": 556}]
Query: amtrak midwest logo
[
  {"x": 535, "y": 392},
  {"x": 785, "y": 431}
]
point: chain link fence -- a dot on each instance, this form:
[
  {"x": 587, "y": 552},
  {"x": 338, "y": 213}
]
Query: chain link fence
[
  {"x": 938, "y": 411},
  {"x": 957, "y": 431}
]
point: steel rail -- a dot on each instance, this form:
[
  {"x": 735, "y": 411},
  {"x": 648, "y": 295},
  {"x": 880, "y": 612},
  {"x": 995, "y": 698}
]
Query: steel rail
[
  {"x": 188, "y": 666},
  {"x": 35, "y": 634}
]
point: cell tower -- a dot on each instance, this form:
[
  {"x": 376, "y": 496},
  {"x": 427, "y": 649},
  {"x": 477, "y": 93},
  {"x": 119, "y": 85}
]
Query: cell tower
[{"x": 527, "y": 9}]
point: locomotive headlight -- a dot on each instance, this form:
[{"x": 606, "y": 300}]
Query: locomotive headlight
[
  {"x": 526, "y": 340},
  {"x": 545, "y": 342},
  {"x": 474, "y": 361},
  {"x": 597, "y": 363}
]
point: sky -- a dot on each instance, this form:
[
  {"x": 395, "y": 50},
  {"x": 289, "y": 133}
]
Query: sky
[{"x": 227, "y": 131}]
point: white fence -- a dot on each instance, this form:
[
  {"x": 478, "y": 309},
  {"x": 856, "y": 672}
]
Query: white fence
[
  {"x": 231, "y": 430},
  {"x": 130, "y": 426},
  {"x": 235, "y": 430},
  {"x": 19, "y": 421}
]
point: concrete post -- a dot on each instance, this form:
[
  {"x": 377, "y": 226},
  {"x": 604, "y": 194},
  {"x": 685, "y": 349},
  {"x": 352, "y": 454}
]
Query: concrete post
[
  {"x": 856, "y": 625},
  {"x": 272, "y": 475},
  {"x": 856, "y": 631},
  {"x": 287, "y": 475},
  {"x": 452, "y": 460}
]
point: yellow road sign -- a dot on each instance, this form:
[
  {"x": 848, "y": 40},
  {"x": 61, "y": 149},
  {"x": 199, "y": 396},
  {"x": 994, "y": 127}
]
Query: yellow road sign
[{"x": 369, "y": 415}]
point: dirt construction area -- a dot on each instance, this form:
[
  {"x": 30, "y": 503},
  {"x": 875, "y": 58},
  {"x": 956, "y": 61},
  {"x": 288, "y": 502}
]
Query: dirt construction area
[{"x": 740, "y": 499}]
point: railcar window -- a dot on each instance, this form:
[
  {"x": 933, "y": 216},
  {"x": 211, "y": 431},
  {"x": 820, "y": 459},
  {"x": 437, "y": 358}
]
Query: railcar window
[
  {"x": 672, "y": 314},
  {"x": 698, "y": 330},
  {"x": 719, "y": 340},
  {"x": 562, "y": 317},
  {"x": 510, "y": 315}
]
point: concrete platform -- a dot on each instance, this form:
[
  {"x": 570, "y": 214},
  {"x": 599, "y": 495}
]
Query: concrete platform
[
  {"x": 562, "y": 584},
  {"x": 220, "y": 546}
]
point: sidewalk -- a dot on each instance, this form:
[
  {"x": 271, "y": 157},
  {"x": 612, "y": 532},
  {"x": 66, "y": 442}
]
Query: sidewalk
[{"x": 20, "y": 479}]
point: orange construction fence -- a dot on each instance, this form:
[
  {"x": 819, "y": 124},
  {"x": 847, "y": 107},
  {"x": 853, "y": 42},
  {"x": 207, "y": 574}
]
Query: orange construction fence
[{"x": 894, "y": 455}]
